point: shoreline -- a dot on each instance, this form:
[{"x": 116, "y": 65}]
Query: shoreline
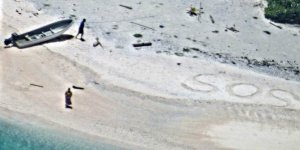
[{"x": 44, "y": 131}]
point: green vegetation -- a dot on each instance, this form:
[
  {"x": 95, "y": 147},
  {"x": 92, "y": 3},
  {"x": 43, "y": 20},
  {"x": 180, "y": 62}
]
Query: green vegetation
[{"x": 283, "y": 11}]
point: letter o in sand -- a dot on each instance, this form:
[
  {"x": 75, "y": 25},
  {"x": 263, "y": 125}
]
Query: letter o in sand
[{"x": 243, "y": 90}]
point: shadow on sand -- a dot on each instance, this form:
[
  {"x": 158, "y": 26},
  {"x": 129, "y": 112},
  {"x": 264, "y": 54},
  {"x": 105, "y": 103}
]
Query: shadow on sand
[{"x": 62, "y": 38}]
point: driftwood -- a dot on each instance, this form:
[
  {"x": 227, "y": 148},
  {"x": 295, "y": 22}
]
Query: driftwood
[
  {"x": 36, "y": 85},
  {"x": 279, "y": 27},
  {"x": 268, "y": 32},
  {"x": 128, "y": 7},
  {"x": 233, "y": 29},
  {"x": 212, "y": 19},
  {"x": 215, "y": 31},
  {"x": 142, "y": 44},
  {"x": 143, "y": 26},
  {"x": 77, "y": 87}
]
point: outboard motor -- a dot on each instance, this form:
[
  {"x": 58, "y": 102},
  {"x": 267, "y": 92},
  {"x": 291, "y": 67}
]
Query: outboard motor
[
  {"x": 14, "y": 36},
  {"x": 7, "y": 41},
  {"x": 10, "y": 40}
]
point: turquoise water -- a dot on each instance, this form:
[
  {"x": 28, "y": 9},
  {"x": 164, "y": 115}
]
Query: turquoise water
[{"x": 23, "y": 136}]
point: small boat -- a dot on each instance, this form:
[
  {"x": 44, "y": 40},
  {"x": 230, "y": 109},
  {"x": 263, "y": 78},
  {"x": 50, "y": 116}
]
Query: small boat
[{"x": 40, "y": 35}]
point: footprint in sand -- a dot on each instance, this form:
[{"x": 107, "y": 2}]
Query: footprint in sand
[
  {"x": 200, "y": 83},
  {"x": 284, "y": 95},
  {"x": 243, "y": 89}
]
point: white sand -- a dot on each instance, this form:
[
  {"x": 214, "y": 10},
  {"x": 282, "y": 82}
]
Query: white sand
[{"x": 143, "y": 100}]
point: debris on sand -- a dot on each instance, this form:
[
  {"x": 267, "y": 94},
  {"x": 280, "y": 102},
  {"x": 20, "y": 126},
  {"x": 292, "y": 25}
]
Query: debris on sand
[
  {"x": 124, "y": 6},
  {"x": 142, "y": 44},
  {"x": 143, "y": 26},
  {"x": 17, "y": 11},
  {"x": 267, "y": 32},
  {"x": 193, "y": 11},
  {"x": 77, "y": 87},
  {"x": 72, "y": 16},
  {"x": 137, "y": 35},
  {"x": 179, "y": 54},
  {"x": 36, "y": 85},
  {"x": 290, "y": 70},
  {"x": 233, "y": 29},
  {"x": 115, "y": 27},
  {"x": 259, "y": 4},
  {"x": 46, "y": 5},
  {"x": 212, "y": 19},
  {"x": 215, "y": 31},
  {"x": 186, "y": 50},
  {"x": 35, "y": 14},
  {"x": 161, "y": 26},
  {"x": 279, "y": 27}
]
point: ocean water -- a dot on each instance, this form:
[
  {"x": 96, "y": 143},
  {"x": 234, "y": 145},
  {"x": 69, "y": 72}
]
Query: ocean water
[{"x": 19, "y": 135}]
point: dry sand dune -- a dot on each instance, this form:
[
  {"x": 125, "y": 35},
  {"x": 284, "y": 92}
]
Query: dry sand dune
[{"x": 150, "y": 98}]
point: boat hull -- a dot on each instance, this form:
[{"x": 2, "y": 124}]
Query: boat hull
[{"x": 42, "y": 34}]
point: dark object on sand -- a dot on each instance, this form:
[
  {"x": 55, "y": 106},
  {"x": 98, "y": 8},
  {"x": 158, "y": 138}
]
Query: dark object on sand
[
  {"x": 161, "y": 26},
  {"x": 97, "y": 43},
  {"x": 77, "y": 87},
  {"x": 137, "y": 35},
  {"x": 143, "y": 26},
  {"x": 142, "y": 44},
  {"x": 36, "y": 85},
  {"x": 193, "y": 11},
  {"x": 259, "y": 4},
  {"x": 233, "y": 29},
  {"x": 68, "y": 96},
  {"x": 215, "y": 31},
  {"x": 18, "y": 12},
  {"x": 267, "y": 32},
  {"x": 40, "y": 35},
  {"x": 128, "y": 7},
  {"x": 279, "y": 27},
  {"x": 212, "y": 19},
  {"x": 179, "y": 54}
]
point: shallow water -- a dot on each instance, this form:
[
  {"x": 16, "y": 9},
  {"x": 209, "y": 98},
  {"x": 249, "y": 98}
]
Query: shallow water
[{"x": 16, "y": 135}]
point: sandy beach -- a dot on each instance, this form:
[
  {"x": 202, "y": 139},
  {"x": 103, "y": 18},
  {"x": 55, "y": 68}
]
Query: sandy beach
[{"x": 199, "y": 86}]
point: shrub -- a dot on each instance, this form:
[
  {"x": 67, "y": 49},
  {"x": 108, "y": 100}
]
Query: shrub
[{"x": 283, "y": 11}]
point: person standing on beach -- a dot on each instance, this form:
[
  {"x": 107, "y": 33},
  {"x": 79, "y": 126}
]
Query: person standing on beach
[
  {"x": 81, "y": 27},
  {"x": 68, "y": 96}
]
